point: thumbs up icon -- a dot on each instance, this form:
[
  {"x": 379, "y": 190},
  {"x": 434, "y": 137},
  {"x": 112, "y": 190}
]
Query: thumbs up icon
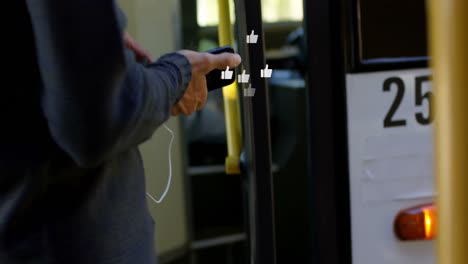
[
  {"x": 266, "y": 73},
  {"x": 249, "y": 92},
  {"x": 227, "y": 74},
  {"x": 252, "y": 38},
  {"x": 243, "y": 78}
]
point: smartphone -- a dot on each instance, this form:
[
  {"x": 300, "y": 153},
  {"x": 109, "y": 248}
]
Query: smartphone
[{"x": 213, "y": 78}]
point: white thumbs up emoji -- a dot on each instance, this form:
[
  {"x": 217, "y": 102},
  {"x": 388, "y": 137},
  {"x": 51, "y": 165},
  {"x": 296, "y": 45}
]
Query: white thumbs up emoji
[
  {"x": 252, "y": 38},
  {"x": 227, "y": 74},
  {"x": 266, "y": 73},
  {"x": 244, "y": 78}
]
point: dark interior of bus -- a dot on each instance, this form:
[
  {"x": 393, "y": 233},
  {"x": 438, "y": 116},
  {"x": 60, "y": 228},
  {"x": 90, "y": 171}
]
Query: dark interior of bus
[{"x": 381, "y": 34}]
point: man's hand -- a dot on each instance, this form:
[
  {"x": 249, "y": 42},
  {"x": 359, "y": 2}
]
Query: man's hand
[
  {"x": 140, "y": 53},
  {"x": 202, "y": 63}
]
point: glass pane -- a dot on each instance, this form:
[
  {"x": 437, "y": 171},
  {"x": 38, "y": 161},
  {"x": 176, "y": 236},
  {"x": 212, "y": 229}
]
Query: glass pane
[
  {"x": 273, "y": 11},
  {"x": 392, "y": 29},
  {"x": 282, "y": 10},
  {"x": 207, "y": 12}
]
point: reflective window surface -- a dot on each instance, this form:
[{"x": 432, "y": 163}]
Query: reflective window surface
[
  {"x": 273, "y": 11},
  {"x": 392, "y": 29}
]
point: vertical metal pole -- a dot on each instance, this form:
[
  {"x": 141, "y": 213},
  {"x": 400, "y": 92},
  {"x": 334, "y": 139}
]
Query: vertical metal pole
[
  {"x": 328, "y": 171},
  {"x": 449, "y": 48},
  {"x": 257, "y": 144},
  {"x": 231, "y": 104}
]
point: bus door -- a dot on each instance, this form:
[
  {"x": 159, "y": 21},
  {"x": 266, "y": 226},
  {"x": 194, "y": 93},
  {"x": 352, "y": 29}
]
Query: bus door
[{"x": 370, "y": 132}]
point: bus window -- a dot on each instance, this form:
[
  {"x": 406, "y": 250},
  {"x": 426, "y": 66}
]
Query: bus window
[
  {"x": 391, "y": 29},
  {"x": 273, "y": 11}
]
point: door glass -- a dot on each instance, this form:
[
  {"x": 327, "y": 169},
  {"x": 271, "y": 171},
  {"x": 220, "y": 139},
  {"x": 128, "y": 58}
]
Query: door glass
[
  {"x": 273, "y": 11},
  {"x": 392, "y": 29}
]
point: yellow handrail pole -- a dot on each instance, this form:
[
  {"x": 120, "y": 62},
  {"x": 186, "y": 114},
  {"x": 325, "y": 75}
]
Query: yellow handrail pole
[
  {"x": 231, "y": 105},
  {"x": 449, "y": 51}
]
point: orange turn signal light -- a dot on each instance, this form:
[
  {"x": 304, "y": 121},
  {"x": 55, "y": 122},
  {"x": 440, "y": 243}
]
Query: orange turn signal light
[{"x": 416, "y": 223}]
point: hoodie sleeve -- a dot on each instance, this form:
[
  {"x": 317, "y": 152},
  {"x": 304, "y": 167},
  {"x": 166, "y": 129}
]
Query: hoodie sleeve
[{"x": 98, "y": 101}]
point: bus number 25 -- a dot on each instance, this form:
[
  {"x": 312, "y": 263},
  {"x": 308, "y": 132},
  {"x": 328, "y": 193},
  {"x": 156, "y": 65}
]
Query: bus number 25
[{"x": 420, "y": 97}]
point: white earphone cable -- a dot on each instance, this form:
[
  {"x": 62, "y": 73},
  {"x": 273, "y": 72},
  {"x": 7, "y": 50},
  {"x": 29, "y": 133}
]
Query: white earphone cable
[{"x": 169, "y": 180}]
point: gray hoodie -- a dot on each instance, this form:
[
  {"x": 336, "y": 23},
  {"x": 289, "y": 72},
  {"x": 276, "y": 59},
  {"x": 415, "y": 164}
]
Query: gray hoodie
[{"x": 72, "y": 186}]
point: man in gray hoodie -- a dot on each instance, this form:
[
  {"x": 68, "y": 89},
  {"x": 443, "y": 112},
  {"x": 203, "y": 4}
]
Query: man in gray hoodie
[{"x": 75, "y": 109}]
